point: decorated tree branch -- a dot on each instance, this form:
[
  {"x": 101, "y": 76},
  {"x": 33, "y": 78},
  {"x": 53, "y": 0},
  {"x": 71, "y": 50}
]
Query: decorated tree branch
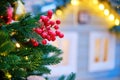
[{"x": 24, "y": 42}]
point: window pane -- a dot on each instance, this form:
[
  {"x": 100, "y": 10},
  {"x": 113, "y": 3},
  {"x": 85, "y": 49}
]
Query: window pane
[
  {"x": 97, "y": 50},
  {"x": 106, "y": 44}
]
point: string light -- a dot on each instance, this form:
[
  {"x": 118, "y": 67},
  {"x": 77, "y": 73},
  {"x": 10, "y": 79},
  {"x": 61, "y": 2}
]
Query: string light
[
  {"x": 101, "y": 7},
  {"x": 74, "y": 2},
  {"x": 26, "y": 57},
  {"x": 13, "y": 33},
  {"x": 117, "y": 22},
  {"x": 17, "y": 45},
  {"x": 111, "y": 17},
  {"x": 106, "y": 12},
  {"x": 8, "y": 75}
]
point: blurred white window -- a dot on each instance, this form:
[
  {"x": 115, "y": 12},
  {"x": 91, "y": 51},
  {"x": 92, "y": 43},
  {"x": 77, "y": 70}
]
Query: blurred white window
[{"x": 101, "y": 51}]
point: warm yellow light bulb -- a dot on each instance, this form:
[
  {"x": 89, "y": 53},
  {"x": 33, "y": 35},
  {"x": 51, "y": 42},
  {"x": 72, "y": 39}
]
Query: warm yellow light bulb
[
  {"x": 117, "y": 22},
  {"x": 111, "y": 17},
  {"x": 106, "y": 12},
  {"x": 74, "y": 2},
  {"x": 101, "y": 7},
  {"x": 26, "y": 57},
  {"x": 13, "y": 33},
  {"x": 8, "y": 75},
  {"x": 17, "y": 45},
  {"x": 59, "y": 12}
]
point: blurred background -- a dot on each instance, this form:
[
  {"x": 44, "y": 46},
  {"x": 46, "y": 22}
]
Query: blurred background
[{"x": 91, "y": 46}]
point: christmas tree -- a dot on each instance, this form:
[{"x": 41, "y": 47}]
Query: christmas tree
[{"x": 24, "y": 42}]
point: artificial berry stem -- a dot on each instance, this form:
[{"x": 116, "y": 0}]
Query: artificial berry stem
[{"x": 49, "y": 29}]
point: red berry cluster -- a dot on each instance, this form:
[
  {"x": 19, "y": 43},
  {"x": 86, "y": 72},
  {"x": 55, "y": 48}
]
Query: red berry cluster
[{"x": 49, "y": 29}]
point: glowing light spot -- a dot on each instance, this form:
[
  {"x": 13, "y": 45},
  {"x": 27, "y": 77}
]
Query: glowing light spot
[
  {"x": 17, "y": 45},
  {"x": 101, "y": 7},
  {"x": 8, "y": 75},
  {"x": 26, "y": 57},
  {"x": 117, "y": 22},
  {"x": 95, "y": 1},
  {"x": 74, "y": 2},
  {"x": 111, "y": 17},
  {"x": 106, "y": 12},
  {"x": 59, "y": 12}
]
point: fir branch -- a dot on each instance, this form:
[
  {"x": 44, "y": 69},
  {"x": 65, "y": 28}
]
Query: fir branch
[
  {"x": 7, "y": 47},
  {"x": 51, "y": 60},
  {"x": 24, "y": 29},
  {"x": 19, "y": 72},
  {"x": 71, "y": 76},
  {"x": 39, "y": 71},
  {"x": 3, "y": 37},
  {"x": 50, "y": 49},
  {"x": 62, "y": 77},
  {"x": 42, "y": 70},
  {"x": 12, "y": 60}
]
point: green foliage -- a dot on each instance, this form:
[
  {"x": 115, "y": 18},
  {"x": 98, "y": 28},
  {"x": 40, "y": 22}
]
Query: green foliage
[
  {"x": 26, "y": 60},
  {"x": 5, "y": 44},
  {"x": 69, "y": 77},
  {"x": 62, "y": 77}
]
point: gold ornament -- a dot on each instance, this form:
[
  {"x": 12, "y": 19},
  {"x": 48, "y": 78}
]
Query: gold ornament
[{"x": 19, "y": 10}]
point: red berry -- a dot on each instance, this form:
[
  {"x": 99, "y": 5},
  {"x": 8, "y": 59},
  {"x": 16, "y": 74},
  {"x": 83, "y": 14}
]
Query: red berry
[
  {"x": 35, "y": 44},
  {"x": 42, "y": 27},
  {"x": 46, "y": 19},
  {"x": 56, "y": 27},
  {"x": 52, "y": 22},
  {"x": 49, "y": 17},
  {"x": 44, "y": 41},
  {"x": 61, "y": 35},
  {"x": 47, "y": 23},
  {"x": 58, "y": 21},
  {"x": 48, "y": 27},
  {"x": 49, "y": 32},
  {"x": 53, "y": 34},
  {"x": 32, "y": 40},
  {"x": 38, "y": 30},
  {"x": 53, "y": 38},
  {"x": 57, "y": 33},
  {"x": 49, "y": 13},
  {"x": 44, "y": 35},
  {"x": 48, "y": 38},
  {"x": 42, "y": 17}
]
